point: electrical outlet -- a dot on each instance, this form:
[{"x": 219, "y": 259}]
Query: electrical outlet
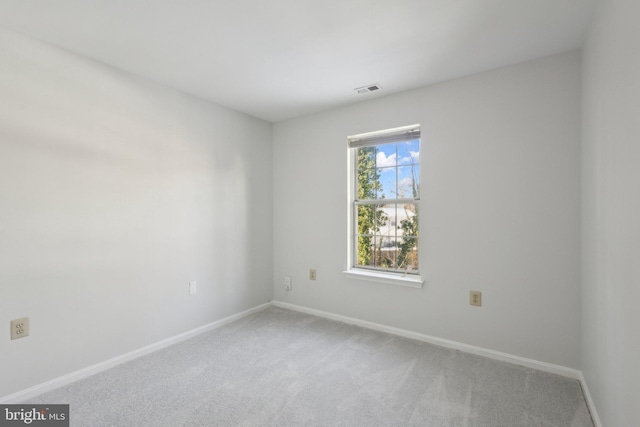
[
  {"x": 193, "y": 288},
  {"x": 475, "y": 298},
  {"x": 19, "y": 328},
  {"x": 287, "y": 283},
  {"x": 312, "y": 274}
]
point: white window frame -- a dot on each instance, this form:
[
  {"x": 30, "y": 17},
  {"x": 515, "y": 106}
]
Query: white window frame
[{"x": 405, "y": 133}]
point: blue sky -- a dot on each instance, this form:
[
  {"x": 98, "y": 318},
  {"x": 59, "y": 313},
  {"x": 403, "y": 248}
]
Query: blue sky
[{"x": 400, "y": 159}]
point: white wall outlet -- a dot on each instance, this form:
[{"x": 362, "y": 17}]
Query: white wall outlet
[
  {"x": 287, "y": 283},
  {"x": 19, "y": 328},
  {"x": 312, "y": 274},
  {"x": 193, "y": 288},
  {"x": 475, "y": 298}
]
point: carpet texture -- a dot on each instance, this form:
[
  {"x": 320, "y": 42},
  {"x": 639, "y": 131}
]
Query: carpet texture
[{"x": 283, "y": 368}]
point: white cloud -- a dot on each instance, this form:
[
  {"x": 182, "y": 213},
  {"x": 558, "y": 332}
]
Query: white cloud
[
  {"x": 383, "y": 161},
  {"x": 406, "y": 182},
  {"x": 414, "y": 158}
]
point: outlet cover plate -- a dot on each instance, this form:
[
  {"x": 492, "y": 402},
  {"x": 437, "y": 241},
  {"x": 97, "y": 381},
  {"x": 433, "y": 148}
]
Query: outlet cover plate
[
  {"x": 475, "y": 298},
  {"x": 19, "y": 328}
]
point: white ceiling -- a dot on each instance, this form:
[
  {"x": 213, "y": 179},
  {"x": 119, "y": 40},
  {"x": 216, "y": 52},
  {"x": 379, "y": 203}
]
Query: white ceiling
[{"x": 278, "y": 59}]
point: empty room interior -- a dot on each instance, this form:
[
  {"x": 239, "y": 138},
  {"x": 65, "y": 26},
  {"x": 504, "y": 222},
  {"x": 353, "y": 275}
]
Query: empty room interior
[{"x": 209, "y": 212}]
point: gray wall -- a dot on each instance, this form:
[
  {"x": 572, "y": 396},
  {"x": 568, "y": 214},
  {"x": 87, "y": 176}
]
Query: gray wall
[
  {"x": 115, "y": 192},
  {"x": 611, "y": 212},
  {"x": 499, "y": 210}
]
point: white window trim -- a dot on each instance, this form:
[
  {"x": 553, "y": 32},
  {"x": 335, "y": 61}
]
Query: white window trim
[
  {"x": 390, "y": 278},
  {"x": 408, "y": 280}
]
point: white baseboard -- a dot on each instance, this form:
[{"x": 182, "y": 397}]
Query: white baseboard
[
  {"x": 590, "y": 402},
  {"x": 497, "y": 355},
  {"x": 102, "y": 366}
]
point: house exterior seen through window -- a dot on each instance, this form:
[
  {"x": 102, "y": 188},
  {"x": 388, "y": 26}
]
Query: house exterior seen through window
[{"x": 385, "y": 214}]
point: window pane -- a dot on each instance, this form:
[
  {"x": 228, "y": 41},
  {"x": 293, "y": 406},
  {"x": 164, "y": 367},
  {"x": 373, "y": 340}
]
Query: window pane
[
  {"x": 384, "y": 257},
  {"x": 409, "y": 152},
  {"x": 387, "y": 252},
  {"x": 366, "y": 158},
  {"x": 371, "y": 220},
  {"x": 368, "y": 183},
  {"x": 407, "y": 220},
  {"x": 408, "y": 182},
  {"x": 388, "y": 220},
  {"x": 365, "y": 251},
  {"x": 368, "y": 180},
  {"x": 386, "y": 155},
  {"x": 387, "y": 188},
  {"x": 380, "y": 218},
  {"x": 408, "y": 253},
  {"x": 365, "y": 223}
]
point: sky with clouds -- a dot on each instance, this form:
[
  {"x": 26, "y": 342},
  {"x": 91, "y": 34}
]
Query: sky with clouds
[{"x": 397, "y": 166}]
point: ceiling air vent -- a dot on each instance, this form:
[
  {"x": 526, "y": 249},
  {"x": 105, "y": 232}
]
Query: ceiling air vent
[{"x": 368, "y": 88}]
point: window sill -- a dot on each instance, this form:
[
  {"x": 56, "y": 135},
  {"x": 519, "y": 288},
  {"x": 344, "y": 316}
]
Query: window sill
[{"x": 410, "y": 281}]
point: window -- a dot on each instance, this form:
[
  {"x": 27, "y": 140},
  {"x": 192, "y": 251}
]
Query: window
[{"x": 385, "y": 191}]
